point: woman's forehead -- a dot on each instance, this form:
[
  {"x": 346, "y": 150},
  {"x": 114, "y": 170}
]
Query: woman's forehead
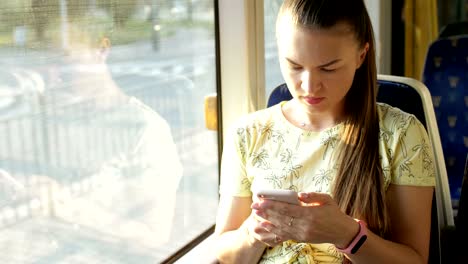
[
  {"x": 290, "y": 34},
  {"x": 316, "y": 46},
  {"x": 286, "y": 23}
]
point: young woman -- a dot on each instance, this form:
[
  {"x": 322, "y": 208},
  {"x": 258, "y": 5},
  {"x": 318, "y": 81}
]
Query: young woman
[{"x": 363, "y": 170}]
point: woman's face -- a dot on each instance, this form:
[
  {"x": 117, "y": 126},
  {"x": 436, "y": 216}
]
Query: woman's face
[{"x": 318, "y": 65}]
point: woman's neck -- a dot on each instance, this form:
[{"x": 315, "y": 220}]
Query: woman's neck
[{"x": 299, "y": 117}]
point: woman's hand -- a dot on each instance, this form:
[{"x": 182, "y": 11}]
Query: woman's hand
[
  {"x": 318, "y": 220},
  {"x": 257, "y": 233}
]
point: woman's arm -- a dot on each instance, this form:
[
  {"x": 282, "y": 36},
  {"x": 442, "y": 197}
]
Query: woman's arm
[
  {"x": 235, "y": 243},
  {"x": 321, "y": 221},
  {"x": 410, "y": 213}
]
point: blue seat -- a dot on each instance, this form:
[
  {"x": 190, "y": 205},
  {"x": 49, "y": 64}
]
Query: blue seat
[
  {"x": 413, "y": 97},
  {"x": 446, "y": 76},
  {"x": 279, "y": 94}
]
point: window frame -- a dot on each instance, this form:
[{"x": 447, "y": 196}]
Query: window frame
[{"x": 240, "y": 79}]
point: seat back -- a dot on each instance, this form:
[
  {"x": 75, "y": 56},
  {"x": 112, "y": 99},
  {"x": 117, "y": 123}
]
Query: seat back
[
  {"x": 412, "y": 97},
  {"x": 279, "y": 94},
  {"x": 446, "y": 76},
  {"x": 410, "y": 101}
]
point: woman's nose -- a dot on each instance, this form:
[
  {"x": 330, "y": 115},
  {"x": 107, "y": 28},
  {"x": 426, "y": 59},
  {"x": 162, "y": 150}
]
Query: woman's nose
[{"x": 309, "y": 82}]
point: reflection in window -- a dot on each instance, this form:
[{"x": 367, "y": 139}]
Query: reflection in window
[{"x": 104, "y": 155}]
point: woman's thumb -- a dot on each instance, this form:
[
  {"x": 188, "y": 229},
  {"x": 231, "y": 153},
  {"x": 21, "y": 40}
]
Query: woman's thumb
[{"x": 314, "y": 198}]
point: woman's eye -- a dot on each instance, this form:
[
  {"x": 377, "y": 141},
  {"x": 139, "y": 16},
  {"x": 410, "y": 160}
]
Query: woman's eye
[
  {"x": 295, "y": 68},
  {"x": 328, "y": 70}
]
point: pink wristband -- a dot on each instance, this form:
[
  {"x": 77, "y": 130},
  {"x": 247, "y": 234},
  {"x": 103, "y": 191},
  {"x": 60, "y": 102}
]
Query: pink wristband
[{"x": 358, "y": 240}]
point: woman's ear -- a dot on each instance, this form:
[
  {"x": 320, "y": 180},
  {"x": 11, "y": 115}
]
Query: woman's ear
[
  {"x": 363, "y": 54},
  {"x": 104, "y": 48}
]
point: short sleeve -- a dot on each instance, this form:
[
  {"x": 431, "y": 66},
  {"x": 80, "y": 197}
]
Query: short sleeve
[
  {"x": 234, "y": 180},
  {"x": 413, "y": 160}
]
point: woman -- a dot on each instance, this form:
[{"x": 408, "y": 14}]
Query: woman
[{"x": 364, "y": 171}]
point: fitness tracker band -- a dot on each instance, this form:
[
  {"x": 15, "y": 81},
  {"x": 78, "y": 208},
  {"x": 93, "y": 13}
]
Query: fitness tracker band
[{"x": 357, "y": 241}]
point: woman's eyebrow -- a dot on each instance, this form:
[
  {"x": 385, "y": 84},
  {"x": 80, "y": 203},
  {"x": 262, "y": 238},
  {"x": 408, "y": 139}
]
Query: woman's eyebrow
[
  {"x": 292, "y": 62},
  {"x": 329, "y": 63},
  {"x": 320, "y": 66}
]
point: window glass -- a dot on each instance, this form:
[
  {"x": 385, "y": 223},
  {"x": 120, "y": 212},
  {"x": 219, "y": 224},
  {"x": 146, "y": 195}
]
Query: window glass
[
  {"x": 273, "y": 76},
  {"x": 104, "y": 156},
  {"x": 451, "y": 12}
]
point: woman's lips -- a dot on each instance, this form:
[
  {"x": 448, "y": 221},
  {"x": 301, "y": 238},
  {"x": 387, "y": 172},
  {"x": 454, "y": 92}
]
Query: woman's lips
[{"x": 313, "y": 100}]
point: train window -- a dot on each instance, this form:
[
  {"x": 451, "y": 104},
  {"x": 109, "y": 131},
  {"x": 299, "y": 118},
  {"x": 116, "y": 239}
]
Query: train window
[
  {"x": 452, "y": 12},
  {"x": 273, "y": 76},
  {"x": 104, "y": 155}
]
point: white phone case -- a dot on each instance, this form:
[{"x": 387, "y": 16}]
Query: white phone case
[{"x": 286, "y": 196}]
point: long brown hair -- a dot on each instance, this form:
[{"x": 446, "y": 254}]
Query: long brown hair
[{"x": 359, "y": 185}]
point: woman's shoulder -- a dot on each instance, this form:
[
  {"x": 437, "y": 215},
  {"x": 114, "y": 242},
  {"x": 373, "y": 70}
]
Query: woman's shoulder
[
  {"x": 140, "y": 112},
  {"x": 258, "y": 119},
  {"x": 405, "y": 148},
  {"x": 394, "y": 119}
]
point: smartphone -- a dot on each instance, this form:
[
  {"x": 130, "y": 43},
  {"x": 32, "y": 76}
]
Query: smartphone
[{"x": 286, "y": 196}]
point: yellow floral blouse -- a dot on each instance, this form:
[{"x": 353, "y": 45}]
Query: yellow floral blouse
[{"x": 264, "y": 150}]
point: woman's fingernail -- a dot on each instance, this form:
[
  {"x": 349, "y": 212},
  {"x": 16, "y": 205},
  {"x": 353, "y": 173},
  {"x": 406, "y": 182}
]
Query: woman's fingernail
[
  {"x": 259, "y": 213},
  {"x": 265, "y": 226}
]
